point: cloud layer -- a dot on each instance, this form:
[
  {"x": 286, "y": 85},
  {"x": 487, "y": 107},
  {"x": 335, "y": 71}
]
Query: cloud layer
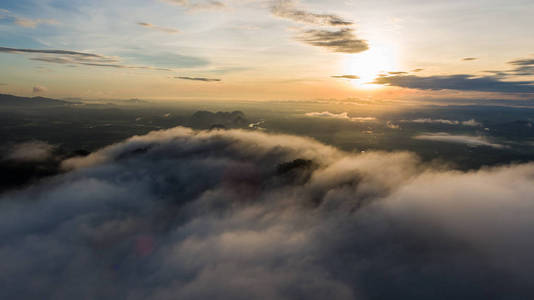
[
  {"x": 182, "y": 214},
  {"x": 474, "y": 141},
  {"x": 342, "y": 116},
  {"x": 471, "y": 122}
]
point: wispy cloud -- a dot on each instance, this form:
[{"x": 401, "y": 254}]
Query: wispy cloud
[
  {"x": 30, "y": 151},
  {"x": 341, "y": 116},
  {"x": 469, "y": 58},
  {"x": 198, "y": 5},
  {"x": 198, "y": 78},
  {"x": 343, "y": 40},
  {"x": 523, "y": 67},
  {"x": 473, "y": 141},
  {"x": 286, "y": 9},
  {"x": 25, "y": 22},
  {"x": 76, "y": 58},
  {"x": 471, "y": 122},
  {"x": 346, "y": 76},
  {"x": 158, "y": 28},
  {"x": 39, "y": 89},
  {"x": 462, "y": 82}
]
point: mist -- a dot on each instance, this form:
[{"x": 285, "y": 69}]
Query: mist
[{"x": 233, "y": 214}]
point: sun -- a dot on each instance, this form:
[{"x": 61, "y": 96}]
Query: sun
[{"x": 369, "y": 64}]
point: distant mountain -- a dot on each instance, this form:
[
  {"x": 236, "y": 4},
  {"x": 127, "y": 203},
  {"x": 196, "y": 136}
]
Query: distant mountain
[
  {"x": 10, "y": 100},
  {"x": 135, "y": 101},
  {"x": 206, "y": 119}
]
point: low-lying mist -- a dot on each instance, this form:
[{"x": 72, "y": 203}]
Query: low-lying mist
[{"x": 232, "y": 214}]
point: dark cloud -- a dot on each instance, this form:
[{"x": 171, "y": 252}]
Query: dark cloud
[
  {"x": 182, "y": 214},
  {"x": 198, "y": 78},
  {"x": 417, "y": 70},
  {"x": 458, "y": 82},
  {"x": 522, "y": 62},
  {"x": 397, "y": 73},
  {"x": 469, "y": 58},
  {"x": 158, "y": 28},
  {"x": 76, "y": 58},
  {"x": 286, "y": 9},
  {"x": 342, "y": 40},
  {"x": 523, "y": 67},
  {"x": 347, "y": 76},
  {"x": 60, "y": 52}
]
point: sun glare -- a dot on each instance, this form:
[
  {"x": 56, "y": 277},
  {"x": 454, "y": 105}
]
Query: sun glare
[{"x": 369, "y": 64}]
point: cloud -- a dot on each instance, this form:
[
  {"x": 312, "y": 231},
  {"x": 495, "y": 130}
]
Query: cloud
[
  {"x": 76, "y": 58},
  {"x": 417, "y": 70},
  {"x": 197, "y": 5},
  {"x": 458, "y": 82},
  {"x": 523, "y": 67},
  {"x": 256, "y": 125},
  {"x": 32, "y": 23},
  {"x": 59, "y": 52},
  {"x": 198, "y": 78},
  {"x": 471, "y": 122},
  {"x": 343, "y": 116},
  {"x": 343, "y": 40},
  {"x": 286, "y": 9},
  {"x": 30, "y": 151},
  {"x": 158, "y": 28},
  {"x": 473, "y": 141},
  {"x": 182, "y": 214},
  {"x": 37, "y": 89},
  {"x": 392, "y": 125},
  {"x": 469, "y": 58},
  {"x": 347, "y": 76},
  {"x": 25, "y": 22}
]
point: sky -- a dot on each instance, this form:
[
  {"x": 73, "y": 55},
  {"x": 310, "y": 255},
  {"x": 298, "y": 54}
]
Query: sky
[{"x": 267, "y": 49}]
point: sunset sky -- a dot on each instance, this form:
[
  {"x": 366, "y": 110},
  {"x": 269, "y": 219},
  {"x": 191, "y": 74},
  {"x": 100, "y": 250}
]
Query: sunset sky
[{"x": 267, "y": 50}]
